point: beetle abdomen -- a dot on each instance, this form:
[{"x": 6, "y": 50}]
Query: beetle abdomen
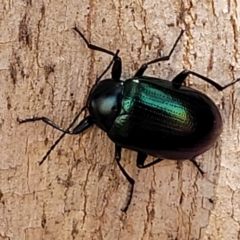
[{"x": 164, "y": 121}]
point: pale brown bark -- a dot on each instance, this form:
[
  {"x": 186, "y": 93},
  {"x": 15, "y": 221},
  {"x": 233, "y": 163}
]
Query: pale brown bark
[{"x": 46, "y": 70}]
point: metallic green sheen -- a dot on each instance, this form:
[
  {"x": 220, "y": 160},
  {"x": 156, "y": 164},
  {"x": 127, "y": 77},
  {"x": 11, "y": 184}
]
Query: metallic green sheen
[{"x": 165, "y": 121}]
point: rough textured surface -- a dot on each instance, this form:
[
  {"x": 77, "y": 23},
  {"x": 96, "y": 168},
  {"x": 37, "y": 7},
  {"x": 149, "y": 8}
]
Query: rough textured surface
[{"x": 46, "y": 70}]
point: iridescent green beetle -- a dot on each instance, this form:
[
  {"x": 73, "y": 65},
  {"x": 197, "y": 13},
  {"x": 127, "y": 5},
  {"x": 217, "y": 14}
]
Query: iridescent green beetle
[{"x": 148, "y": 115}]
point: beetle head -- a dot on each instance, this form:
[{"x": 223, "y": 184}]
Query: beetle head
[{"x": 104, "y": 102}]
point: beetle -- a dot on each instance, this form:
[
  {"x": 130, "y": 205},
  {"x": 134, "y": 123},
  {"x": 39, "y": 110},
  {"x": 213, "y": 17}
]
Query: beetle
[{"x": 149, "y": 115}]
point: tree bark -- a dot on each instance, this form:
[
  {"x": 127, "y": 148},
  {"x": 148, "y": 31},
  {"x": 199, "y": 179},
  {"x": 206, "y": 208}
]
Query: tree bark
[{"x": 47, "y": 70}]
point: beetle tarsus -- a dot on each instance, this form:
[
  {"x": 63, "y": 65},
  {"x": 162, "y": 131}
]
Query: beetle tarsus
[
  {"x": 118, "y": 150},
  {"x": 45, "y": 120},
  {"x": 180, "y": 78},
  {"x": 129, "y": 198},
  {"x": 197, "y": 166}
]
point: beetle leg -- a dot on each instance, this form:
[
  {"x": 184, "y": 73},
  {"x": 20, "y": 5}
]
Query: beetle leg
[
  {"x": 86, "y": 123},
  {"x": 82, "y": 126},
  {"x": 117, "y": 65},
  {"x": 118, "y": 150},
  {"x": 117, "y": 68},
  {"x": 67, "y": 131},
  {"x": 91, "y": 46},
  {"x": 179, "y": 79},
  {"x": 143, "y": 68},
  {"x": 141, "y": 157},
  {"x": 196, "y": 165},
  {"x": 45, "y": 120}
]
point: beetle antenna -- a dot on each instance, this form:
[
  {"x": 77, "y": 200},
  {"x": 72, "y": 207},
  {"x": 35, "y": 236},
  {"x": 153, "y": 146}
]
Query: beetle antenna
[{"x": 60, "y": 138}]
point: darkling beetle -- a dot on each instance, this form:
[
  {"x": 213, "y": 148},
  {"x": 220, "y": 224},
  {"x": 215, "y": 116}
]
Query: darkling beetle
[{"x": 148, "y": 115}]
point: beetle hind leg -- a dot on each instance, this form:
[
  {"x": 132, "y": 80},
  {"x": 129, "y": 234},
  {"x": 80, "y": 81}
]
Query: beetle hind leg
[
  {"x": 141, "y": 157},
  {"x": 196, "y": 165}
]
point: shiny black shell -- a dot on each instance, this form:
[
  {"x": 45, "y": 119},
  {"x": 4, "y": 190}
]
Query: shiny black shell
[{"x": 164, "y": 121}]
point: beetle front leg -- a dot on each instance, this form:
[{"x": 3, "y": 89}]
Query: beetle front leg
[
  {"x": 45, "y": 120},
  {"x": 83, "y": 125},
  {"x": 118, "y": 150},
  {"x": 91, "y": 46},
  {"x": 117, "y": 65},
  {"x": 141, "y": 157}
]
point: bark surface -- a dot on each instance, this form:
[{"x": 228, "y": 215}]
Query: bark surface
[{"x": 47, "y": 70}]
